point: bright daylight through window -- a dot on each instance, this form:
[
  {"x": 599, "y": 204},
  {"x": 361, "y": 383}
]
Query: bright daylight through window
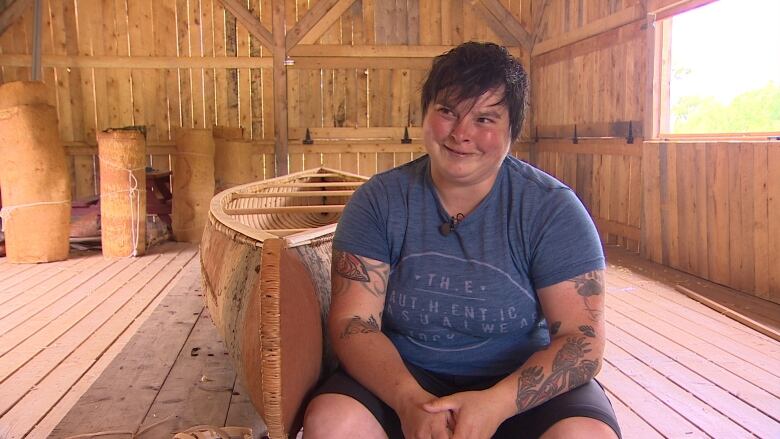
[{"x": 725, "y": 69}]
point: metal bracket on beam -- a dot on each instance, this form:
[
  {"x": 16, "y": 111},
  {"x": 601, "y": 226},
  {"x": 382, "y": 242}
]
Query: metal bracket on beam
[
  {"x": 406, "y": 140},
  {"x": 307, "y": 140}
]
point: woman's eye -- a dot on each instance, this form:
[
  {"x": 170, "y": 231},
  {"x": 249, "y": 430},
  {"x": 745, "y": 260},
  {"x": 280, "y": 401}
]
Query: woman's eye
[
  {"x": 445, "y": 110},
  {"x": 484, "y": 120}
]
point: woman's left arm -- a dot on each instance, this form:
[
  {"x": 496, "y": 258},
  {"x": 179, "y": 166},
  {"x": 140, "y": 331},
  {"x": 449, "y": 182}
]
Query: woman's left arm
[{"x": 574, "y": 310}]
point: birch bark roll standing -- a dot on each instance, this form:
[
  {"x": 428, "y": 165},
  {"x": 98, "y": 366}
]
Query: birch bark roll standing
[
  {"x": 33, "y": 176},
  {"x": 232, "y": 158},
  {"x": 193, "y": 183},
  {"x": 122, "y": 192}
]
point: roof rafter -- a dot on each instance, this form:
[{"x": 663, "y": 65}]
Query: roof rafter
[
  {"x": 12, "y": 13},
  {"x": 252, "y": 24},
  {"x": 507, "y": 21},
  {"x": 316, "y": 21}
]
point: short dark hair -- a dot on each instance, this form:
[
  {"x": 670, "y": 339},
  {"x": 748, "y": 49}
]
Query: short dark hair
[{"x": 471, "y": 69}]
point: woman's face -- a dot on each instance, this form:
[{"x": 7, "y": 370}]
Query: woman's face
[{"x": 467, "y": 141}]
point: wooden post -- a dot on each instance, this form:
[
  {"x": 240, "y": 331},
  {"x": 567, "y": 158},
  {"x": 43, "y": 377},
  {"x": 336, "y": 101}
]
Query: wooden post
[{"x": 280, "y": 89}]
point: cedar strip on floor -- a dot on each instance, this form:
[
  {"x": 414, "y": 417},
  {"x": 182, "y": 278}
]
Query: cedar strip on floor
[
  {"x": 690, "y": 310},
  {"x": 199, "y": 386},
  {"x": 41, "y": 291},
  {"x": 48, "y": 391},
  {"x": 678, "y": 398},
  {"x": 708, "y": 392},
  {"x": 630, "y": 422},
  {"x": 45, "y": 426},
  {"x": 665, "y": 420},
  {"x": 758, "y": 309},
  {"x": 142, "y": 366},
  {"x": 709, "y": 350},
  {"x": 27, "y": 350},
  {"x": 42, "y": 365},
  {"x": 71, "y": 293}
]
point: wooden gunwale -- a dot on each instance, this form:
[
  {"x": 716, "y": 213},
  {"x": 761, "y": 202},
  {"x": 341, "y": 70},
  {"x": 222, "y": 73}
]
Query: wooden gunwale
[
  {"x": 315, "y": 208},
  {"x": 223, "y": 213},
  {"x": 313, "y": 194}
]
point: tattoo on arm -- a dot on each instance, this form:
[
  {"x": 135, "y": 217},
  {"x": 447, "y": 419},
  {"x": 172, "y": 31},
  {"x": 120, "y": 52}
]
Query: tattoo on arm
[
  {"x": 570, "y": 369},
  {"x": 588, "y": 285},
  {"x": 357, "y": 325},
  {"x": 348, "y": 267},
  {"x": 555, "y": 327}
]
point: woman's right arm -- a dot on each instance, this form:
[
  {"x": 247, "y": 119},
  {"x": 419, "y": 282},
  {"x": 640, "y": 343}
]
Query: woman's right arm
[{"x": 358, "y": 291}]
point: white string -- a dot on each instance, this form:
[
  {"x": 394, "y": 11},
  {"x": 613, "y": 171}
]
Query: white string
[
  {"x": 6, "y": 211},
  {"x": 133, "y": 192}
]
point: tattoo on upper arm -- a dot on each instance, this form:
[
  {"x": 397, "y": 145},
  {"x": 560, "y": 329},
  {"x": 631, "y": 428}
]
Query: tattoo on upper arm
[
  {"x": 357, "y": 325},
  {"x": 588, "y": 285},
  {"x": 570, "y": 369},
  {"x": 555, "y": 327},
  {"x": 349, "y": 267}
]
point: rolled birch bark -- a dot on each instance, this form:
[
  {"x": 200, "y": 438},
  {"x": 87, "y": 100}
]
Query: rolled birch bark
[{"x": 34, "y": 176}]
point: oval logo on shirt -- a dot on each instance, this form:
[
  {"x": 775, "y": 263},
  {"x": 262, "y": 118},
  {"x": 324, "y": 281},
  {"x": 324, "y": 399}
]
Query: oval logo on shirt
[{"x": 448, "y": 304}]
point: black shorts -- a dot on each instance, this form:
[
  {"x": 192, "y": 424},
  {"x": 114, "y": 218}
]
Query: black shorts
[{"x": 588, "y": 401}]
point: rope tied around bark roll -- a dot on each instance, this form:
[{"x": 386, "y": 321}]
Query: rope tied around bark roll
[
  {"x": 6, "y": 211},
  {"x": 134, "y": 193}
]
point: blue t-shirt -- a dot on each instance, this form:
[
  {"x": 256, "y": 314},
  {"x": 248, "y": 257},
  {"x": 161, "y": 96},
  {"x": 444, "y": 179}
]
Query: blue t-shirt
[{"x": 465, "y": 303}]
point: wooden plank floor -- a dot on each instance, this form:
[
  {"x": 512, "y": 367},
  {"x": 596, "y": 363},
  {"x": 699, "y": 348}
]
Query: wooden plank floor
[{"x": 673, "y": 367}]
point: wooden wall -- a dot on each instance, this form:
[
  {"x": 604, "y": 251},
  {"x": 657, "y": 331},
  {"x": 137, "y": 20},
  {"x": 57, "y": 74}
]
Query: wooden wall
[
  {"x": 709, "y": 209},
  {"x": 171, "y": 63},
  {"x": 356, "y": 85},
  {"x": 712, "y": 209},
  {"x": 595, "y": 84}
]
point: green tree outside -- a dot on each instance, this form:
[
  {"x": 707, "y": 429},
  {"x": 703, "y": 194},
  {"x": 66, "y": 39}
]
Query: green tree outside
[{"x": 756, "y": 110}]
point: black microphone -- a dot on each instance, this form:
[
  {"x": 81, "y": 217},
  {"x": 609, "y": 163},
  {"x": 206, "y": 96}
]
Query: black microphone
[{"x": 450, "y": 224}]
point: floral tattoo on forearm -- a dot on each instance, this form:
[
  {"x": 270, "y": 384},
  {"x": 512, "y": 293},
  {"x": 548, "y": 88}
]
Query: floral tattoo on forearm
[
  {"x": 570, "y": 369},
  {"x": 348, "y": 267},
  {"x": 357, "y": 325}
]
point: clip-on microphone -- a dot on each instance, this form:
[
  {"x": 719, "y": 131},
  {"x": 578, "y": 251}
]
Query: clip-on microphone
[{"x": 449, "y": 226}]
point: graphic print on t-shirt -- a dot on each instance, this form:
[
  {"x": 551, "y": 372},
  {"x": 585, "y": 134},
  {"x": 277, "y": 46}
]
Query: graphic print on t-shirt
[{"x": 448, "y": 304}]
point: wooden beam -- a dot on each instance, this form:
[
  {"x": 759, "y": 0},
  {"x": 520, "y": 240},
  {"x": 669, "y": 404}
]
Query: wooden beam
[
  {"x": 343, "y": 62},
  {"x": 508, "y": 21},
  {"x": 308, "y": 21},
  {"x": 280, "y": 89},
  {"x": 368, "y": 51},
  {"x": 593, "y": 147},
  {"x": 616, "y": 228},
  {"x": 12, "y": 13},
  {"x": 140, "y": 62},
  {"x": 626, "y": 16},
  {"x": 252, "y": 24},
  {"x": 319, "y": 27},
  {"x": 354, "y": 134}
]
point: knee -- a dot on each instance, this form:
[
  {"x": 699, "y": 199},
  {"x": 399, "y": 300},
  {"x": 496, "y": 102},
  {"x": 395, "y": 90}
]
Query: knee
[
  {"x": 339, "y": 416},
  {"x": 579, "y": 427}
]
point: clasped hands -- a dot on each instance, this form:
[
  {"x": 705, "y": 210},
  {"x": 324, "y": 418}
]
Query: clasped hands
[{"x": 464, "y": 415}]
